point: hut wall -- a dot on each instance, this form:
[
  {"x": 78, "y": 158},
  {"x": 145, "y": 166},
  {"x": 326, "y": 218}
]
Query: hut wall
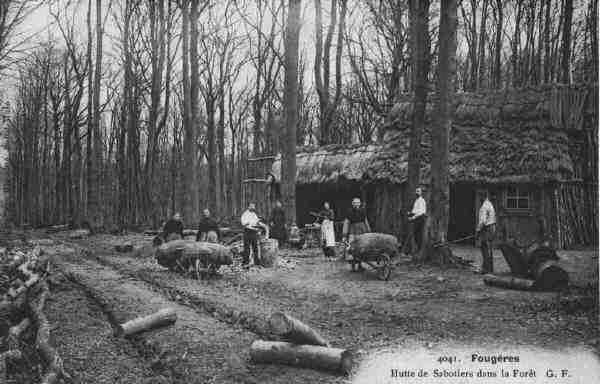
[
  {"x": 385, "y": 207},
  {"x": 576, "y": 214}
]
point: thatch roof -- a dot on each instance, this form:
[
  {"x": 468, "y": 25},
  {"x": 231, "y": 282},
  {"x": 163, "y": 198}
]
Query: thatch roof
[
  {"x": 484, "y": 155},
  {"x": 477, "y": 154},
  {"x": 330, "y": 163},
  {"x": 499, "y": 137}
]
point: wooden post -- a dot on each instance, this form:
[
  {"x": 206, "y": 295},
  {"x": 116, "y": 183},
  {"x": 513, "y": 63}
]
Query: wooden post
[
  {"x": 163, "y": 317},
  {"x": 295, "y": 330},
  {"x": 306, "y": 356}
]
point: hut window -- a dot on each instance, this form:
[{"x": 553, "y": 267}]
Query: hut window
[{"x": 517, "y": 198}]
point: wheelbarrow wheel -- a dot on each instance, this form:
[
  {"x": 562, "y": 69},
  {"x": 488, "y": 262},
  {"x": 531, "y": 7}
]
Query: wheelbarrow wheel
[{"x": 385, "y": 267}]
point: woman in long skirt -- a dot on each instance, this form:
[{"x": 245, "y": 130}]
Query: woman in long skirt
[{"x": 327, "y": 230}]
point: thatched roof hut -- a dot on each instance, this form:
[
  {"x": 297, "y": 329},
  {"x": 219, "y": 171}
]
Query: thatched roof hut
[{"x": 477, "y": 154}]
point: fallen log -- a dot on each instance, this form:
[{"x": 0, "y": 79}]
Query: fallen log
[
  {"x": 511, "y": 282},
  {"x": 124, "y": 248},
  {"x": 161, "y": 318},
  {"x": 15, "y": 332},
  {"x": 57, "y": 228},
  {"x": 185, "y": 253},
  {"x": 294, "y": 330},
  {"x": 550, "y": 276},
  {"x": 370, "y": 246},
  {"x": 33, "y": 279},
  {"x": 54, "y": 364},
  {"x": 78, "y": 233},
  {"x": 305, "y": 356}
]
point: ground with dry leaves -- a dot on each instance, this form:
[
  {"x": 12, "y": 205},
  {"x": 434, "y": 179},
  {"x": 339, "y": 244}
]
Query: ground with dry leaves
[{"x": 94, "y": 288}]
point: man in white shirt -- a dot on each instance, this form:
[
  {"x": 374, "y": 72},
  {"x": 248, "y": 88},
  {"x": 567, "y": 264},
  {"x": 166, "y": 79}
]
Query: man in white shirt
[
  {"x": 250, "y": 222},
  {"x": 417, "y": 216},
  {"x": 486, "y": 230}
]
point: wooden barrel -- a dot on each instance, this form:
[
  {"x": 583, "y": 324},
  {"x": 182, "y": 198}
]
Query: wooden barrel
[{"x": 269, "y": 252}]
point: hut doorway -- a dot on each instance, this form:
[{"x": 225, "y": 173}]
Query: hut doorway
[
  {"x": 310, "y": 198},
  {"x": 461, "y": 222}
]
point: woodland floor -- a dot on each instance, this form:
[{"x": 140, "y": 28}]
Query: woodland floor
[{"x": 93, "y": 288}]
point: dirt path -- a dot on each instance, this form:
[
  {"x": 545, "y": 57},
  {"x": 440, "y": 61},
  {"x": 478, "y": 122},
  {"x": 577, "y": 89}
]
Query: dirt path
[
  {"x": 83, "y": 337},
  {"x": 421, "y": 304},
  {"x": 219, "y": 318},
  {"x": 197, "y": 349}
]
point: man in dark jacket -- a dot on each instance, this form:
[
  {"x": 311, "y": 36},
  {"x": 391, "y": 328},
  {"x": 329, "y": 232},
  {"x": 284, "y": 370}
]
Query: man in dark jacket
[
  {"x": 173, "y": 229},
  {"x": 208, "y": 229}
]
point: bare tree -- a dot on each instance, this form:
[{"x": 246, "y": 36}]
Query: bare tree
[
  {"x": 290, "y": 106},
  {"x": 439, "y": 201}
]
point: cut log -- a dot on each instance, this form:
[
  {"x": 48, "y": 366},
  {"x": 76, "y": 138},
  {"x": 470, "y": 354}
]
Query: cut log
[
  {"x": 15, "y": 332},
  {"x": 54, "y": 364},
  {"x": 161, "y": 318},
  {"x": 305, "y": 356},
  {"x": 78, "y": 233},
  {"x": 33, "y": 279},
  {"x": 370, "y": 246},
  {"x": 294, "y": 330},
  {"x": 549, "y": 276},
  {"x": 57, "y": 228},
  {"x": 269, "y": 252},
  {"x": 511, "y": 282},
  {"x": 124, "y": 248},
  {"x": 185, "y": 253}
]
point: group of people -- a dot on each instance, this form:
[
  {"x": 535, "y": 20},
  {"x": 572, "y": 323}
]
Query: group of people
[
  {"x": 355, "y": 223},
  {"x": 208, "y": 229},
  {"x": 485, "y": 231}
]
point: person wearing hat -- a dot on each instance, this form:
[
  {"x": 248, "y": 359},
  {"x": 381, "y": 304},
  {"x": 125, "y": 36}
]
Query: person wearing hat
[{"x": 355, "y": 224}]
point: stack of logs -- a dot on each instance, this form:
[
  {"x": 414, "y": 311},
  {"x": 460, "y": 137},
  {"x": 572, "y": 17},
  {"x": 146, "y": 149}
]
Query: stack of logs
[
  {"x": 23, "y": 292},
  {"x": 303, "y": 347}
]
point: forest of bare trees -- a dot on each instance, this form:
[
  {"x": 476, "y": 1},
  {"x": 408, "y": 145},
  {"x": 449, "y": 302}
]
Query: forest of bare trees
[{"x": 123, "y": 112}]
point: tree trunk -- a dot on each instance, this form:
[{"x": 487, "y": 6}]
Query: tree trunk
[
  {"x": 516, "y": 46},
  {"x": 189, "y": 131},
  {"x": 441, "y": 129},
  {"x": 498, "y": 46},
  {"x": 547, "y": 58},
  {"x": 566, "y": 43},
  {"x": 290, "y": 107},
  {"x": 96, "y": 216},
  {"x": 481, "y": 50},
  {"x": 91, "y": 190},
  {"x": 420, "y": 46}
]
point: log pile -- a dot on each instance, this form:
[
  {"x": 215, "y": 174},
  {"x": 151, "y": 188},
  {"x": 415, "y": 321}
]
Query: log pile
[
  {"x": 303, "y": 347},
  {"x": 23, "y": 293},
  {"x": 181, "y": 255},
  {"x": 370, "y": 246}
]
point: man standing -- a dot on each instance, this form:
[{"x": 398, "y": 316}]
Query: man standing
[
  {"x": 355, "y": 224},
  {"x": 208, "y": 229},
  {"x": 417, "y": 216},
  {"x": 251, "y": 224},
  {"x": 278, "y": 223},
  {"x": 486, "y": 230},
  {"x": 173, "y": 229}
]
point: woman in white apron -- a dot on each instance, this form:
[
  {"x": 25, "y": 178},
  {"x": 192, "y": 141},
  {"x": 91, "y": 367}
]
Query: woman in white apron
[{"x": 327, "y": 230}]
